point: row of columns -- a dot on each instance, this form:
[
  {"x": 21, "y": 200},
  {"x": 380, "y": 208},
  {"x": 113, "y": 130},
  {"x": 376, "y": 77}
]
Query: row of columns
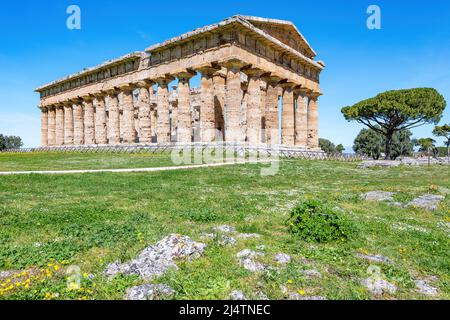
[{"x": 95, "y": 119}]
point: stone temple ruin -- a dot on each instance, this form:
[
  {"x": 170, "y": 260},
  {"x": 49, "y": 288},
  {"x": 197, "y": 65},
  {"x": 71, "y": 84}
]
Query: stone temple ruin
[{"x": 259, "y": 84}]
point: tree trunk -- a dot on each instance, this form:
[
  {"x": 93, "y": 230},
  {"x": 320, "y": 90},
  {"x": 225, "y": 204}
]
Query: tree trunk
[
  {"x": 448, "y": 152},
  {"x": 388, "y": 146}
]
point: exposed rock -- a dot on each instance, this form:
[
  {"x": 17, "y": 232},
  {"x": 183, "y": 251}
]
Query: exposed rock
[
  {"x": 237, "y": 295},
  {"x": 247, "y": 260},
  {"x": 248, "y": 235},
  {"x": 226, "y": 241},
  {"x": 312, "y": 273},
  {"x": 428, "y": 202},
  {"x": 406, "y": 227},
  {"x": 149, "y": 292},
  {"x": 207, "y": 236},
  {"x": 379, "y": 286},
  {"x": 261, "y": 247},
  {"x": 156, "y": 260},
  {"x": 424, "y": 287},
  {"x": 378, "y": 196},
  {"x": 261, "y": 296},
  {"x": 225, "y": 229},
  {"x": 403, "y": 161},
  {"x": 375, "y": 258},
  {"x": 282, "y": 258},
  {"x": 312, "y": 298},
  {"x": 378, "y": 163}
]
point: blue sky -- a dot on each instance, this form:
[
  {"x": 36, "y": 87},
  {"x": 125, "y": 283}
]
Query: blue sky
[{"x": 411, "y": 50}]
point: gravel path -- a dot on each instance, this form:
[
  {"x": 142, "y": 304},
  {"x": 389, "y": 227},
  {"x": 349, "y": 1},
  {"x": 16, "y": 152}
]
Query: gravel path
[{"x": 134, "y": 169}]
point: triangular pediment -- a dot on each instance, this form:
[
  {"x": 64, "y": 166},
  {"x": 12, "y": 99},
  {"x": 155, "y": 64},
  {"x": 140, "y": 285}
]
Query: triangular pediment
[{"x": 284, "y": 31}]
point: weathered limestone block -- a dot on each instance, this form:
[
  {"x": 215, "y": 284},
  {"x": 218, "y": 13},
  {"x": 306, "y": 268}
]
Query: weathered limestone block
[
  {"x": 163, "y": 127},
  {"x": 59, "y": 125},
  {"x": 44, "y": 127},
  {"x": 184, "y": 116},
  {"x": 272, "y": 122},
  {"x": 144, "y": 112},
  {"x": 68, "y": 125},
  {"x": 219, "y": 79},
  {"x": 233, "y": 100},
  {"x": 78, "y": 123},
  {"x": 112, "y": 104},
  {"x": 313, "y": 122},
  {"x": 51, "y": 126},
  {"x": 287, "y": 117},
  {"x": 301, "y": 128},
  {"x": 207, "y": 108},
  {"x": 254, "y": 106},
  {"x": 129, "y": 134},
  {"x": 89, "y": 121},
  {"x": 101, "y": 127}
]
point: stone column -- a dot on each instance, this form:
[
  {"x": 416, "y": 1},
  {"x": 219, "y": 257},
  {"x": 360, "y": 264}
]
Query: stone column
[
  {"x": 301, "y": 128},
  {"x": 68, "y": 124},
  {"x": 272, "y": 116},
  {"x": 144, "y": 111},
  {"x": 78, "y": 123},
  {"x": 287, "y": 116},
  {"x": 89, "y": 120},
  {"x": 51, "y": 126},
  {"x": 101, "y": 127},
  {"x": 219, "y": 79},
  {"x": 112, "y": 104},
  {"x": 207, "y": 107},
  {"x": 313, "y": 121},
  {"x": 233, "y": 100},
  {"x": 44, "y": 127},
  {"x": 254, "y": 106},
  {"x": 184, "y": 116},
  {"x": 129, "y": 134},
  {"x": 163, "y": 129},
  {"x": 59, "y": 131}
]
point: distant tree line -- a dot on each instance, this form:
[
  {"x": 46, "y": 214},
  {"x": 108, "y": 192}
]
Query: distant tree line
[
  {"x": 329, "y": 147},
  {"x": 10, "y": 142}
]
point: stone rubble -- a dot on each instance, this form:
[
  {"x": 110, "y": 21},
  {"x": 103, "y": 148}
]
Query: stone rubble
[
  {"x": 312, "y": 273},
  {"x": 404, "y": 161},
  {"x": 226, "y": 241},
  {"x": 424, "y": 287},
  {"x": 225, "y": 229},
  {"x": 248, "y": 235},
  {"x": 247, "y": 260},
  {"x": 428, "y": 202},
  {"x": 237, "y": 295},
  {"x": 375, "y": 258},
  {"x": 379, "y": 286},
  {"x": 378, "y": 196},
  {"x": 158, "y": 259},
  {"x": 149, "y": 292},
  {"x": 282, "y": 258}
]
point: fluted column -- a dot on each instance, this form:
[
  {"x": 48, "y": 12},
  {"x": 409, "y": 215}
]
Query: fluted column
[
  {"x": 68, "y": 124},
  {"x": 51, "y": 126},
  {"x": 233, "y": 101},
  {"x": 301, "y": 113},
  {"x": 59, "y": 125},
  {"x": 219, "y": 79},
  {"x": 254, "y": 106},
  {"x": 272, "y": 110},
  {"x": 112, "y": 104},
  {"x": 44, "y": 127},
  {"x": 78, "y": 123},
  {"x": 163, "y": 129},
  {"x": 89, "y": 120},
  {"x": 101, "y": 126},
  {"x": 184, "y": 116},
  {"x": 287, "y": 116},
  {"x": 313, "y": 121},
  {"x": 207, "y": 108},
  {"x": 145, "y": 123},
  {"x": 129, "y": 134}
]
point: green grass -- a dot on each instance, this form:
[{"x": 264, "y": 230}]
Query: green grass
[{"x": 90, "y": 220}]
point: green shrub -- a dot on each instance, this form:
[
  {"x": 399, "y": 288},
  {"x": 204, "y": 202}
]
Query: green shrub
[{"x": 312, "y": 220}]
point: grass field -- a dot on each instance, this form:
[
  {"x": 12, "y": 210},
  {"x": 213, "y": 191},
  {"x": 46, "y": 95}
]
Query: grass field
[{"x": 90, "y": 220}]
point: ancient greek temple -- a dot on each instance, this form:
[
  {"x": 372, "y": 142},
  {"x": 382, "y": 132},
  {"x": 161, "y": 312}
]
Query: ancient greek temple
[{"x": 258, "y": 84}]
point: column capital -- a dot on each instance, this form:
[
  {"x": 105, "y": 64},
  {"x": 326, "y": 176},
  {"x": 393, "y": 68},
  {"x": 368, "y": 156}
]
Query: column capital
[
  {"x": 207, "y": 68},
  {"x": 314, "y": 95},
  {"x": 253, "y": 72},
  {"x": 111, "y": 92},
  {"x": 287, "y": 85},
  {"x": 147, "y": 83},
  {"x": 234, "y": 64},
  {"x": 185, "y": 75},
  {"x": 271, "y": 78},
  {"x": 302, "y": 90},
  {"x": 164, "y": 80},
  {"x": 127, "y": 87}
]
